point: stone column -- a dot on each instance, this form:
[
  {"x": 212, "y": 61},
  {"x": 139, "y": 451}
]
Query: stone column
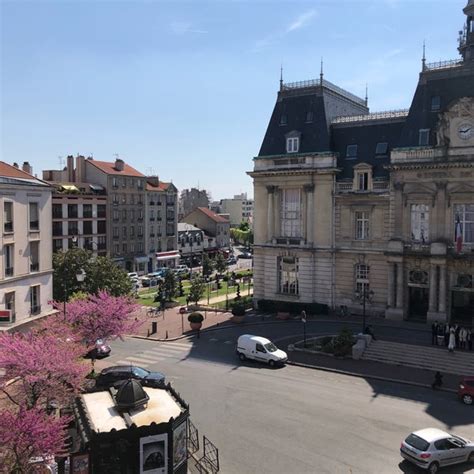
[
  {"x": 432, "y": 302},
  {"x": 391, "y": 285},
  {"x": 400, "y": 288},
  {"x": 442, "y": 289},
  {"x": 398, "y": 208},
  {"x": 309, "y": 190},
  {"x": 270, "y": 212}
]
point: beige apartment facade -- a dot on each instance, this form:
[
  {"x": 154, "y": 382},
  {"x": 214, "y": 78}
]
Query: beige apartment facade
[{"x": 26, "y": 272}]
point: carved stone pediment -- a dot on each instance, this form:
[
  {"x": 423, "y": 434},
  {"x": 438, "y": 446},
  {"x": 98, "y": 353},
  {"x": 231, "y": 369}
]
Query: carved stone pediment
[
  {"x": 464, "y": 107},
  {"x": 459, "y": 111},
  {"x": 463, "y": 188}
]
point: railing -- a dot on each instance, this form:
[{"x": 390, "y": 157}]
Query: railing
[
  {"x": 341, "y": 187},
  {"x": 388, "y": 114},
  {"x": 8, "y": 227},
  {"x": 329, "y": 85},
  {"x": 415, "y": 153},
  {"x": 443, "y": 64},
  {"x": 380, "y": 185},
  {"x": 9, "y": 271},
  {"x": 193, "y": 438},
  {"x": 34, "y": 267},
  {"x": 210, "y": 459},
  {"x": 35, "y": 310}
]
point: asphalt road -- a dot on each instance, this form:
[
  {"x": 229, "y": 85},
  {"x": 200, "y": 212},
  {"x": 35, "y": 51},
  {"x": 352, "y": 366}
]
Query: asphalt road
[{"x": 295, "y": 420}]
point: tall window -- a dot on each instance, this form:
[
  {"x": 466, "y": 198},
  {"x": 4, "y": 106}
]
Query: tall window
[
  {"x": 72, "y": 210},
  {"x": 35, "y": 306},
  {"x": 57, "y": 229},
  {"x": 363, "y": 181},
  {"x": 283, "y": 119},
  {"x": 362, "y": 278},
  {"x": 288, "y": 271},
  {"x": 124, "y": 232},
  {"x": 464, "y": 215},
  {"x": 57, "y": 211},
  {"x": 351, "y": 151},
  {"x": 309, "y": 116},
  {"x": 291, "y": 213},
  {"x": 10, "y": 303},
  {"x": 115, "y": 232},
  {"x": 87, "y": 227},
  {"x": 101, "y": 227},
  {"x": 362, "y": 225},
  {"x": 72, "y": 228},
  {"x": 57, "y": 245},
  {"x": 292, "y": 145},
  {"x": 424, "y": 137},
  {"x": 8, "y": 216},
  {"x": 8, "y": 260},
  {"x": 101, "y": 210},
  {"x": 87, "y": 211},
  {"x": 34, "y": 256},
  {"x": 420, "y": 223},
  {"x": 435, "y": 103}
]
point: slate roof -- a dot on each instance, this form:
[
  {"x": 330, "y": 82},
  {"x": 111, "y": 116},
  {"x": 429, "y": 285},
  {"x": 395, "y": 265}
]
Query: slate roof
[{"x": 109, "y": 168}]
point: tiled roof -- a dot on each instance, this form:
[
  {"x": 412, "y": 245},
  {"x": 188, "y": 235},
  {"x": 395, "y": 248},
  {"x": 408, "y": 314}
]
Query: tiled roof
[
  {"x": 10, "y": 171},
  {"x": 211, "y": 214},
  {"x": 161, "y": 186},
  {"x": 109, "y": 168}
]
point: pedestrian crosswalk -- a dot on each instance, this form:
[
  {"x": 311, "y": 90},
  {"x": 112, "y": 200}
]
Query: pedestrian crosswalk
[{"x": 162, "y": 351}]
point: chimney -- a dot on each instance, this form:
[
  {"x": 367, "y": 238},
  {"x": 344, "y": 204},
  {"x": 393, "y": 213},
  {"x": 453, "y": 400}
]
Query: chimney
[
  {"x": 70, "y": 168},
  {"x": 27, "y": 168},
  {"x": 119, "y": 164},
  {"x": 15, "y": 165},
  {"x": 80, "y": 169},
  {"x": 153, "y": 180}
]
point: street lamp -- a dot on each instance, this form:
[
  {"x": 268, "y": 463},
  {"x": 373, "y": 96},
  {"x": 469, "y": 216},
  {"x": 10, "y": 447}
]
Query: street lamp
[
  {"x": 364, "y": 297},
  {"x": 80, "y": 277},
  {"x": 303, "y": 320}
]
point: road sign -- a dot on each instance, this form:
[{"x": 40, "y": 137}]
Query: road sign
[{"x": 182, "y": 310}]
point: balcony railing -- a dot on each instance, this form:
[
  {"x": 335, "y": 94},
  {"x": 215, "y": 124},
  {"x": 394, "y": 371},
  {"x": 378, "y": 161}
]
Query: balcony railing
[
  {"x": 34, "y": 267},
  {"x": 443, "y": 64},
  {"x": 8, "y": 227},
  {"x": 35, "y": 310},
  {"x": 9, "y": 271},
  {"x": 389, "y": 114},
  {"x": 34, "y": 226}
]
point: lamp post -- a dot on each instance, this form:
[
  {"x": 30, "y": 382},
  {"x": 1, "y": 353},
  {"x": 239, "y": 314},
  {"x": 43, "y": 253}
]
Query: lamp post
[
  {"x": 364, "y": 297},
  {"x": 80, "y": 277},
  {"x": 303, "y": 320}
]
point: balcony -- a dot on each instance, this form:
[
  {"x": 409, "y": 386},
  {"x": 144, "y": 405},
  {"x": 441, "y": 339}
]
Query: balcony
[
  {"x": 298, "y": 161},
  {"x": 35, "y": 310},
  {"x": 34, "y": 267},
  {"x": 9, "y": 271}
]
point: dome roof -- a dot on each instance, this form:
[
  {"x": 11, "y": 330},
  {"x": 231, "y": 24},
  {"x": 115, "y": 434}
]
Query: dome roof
[{"x": 130, "y": 395}]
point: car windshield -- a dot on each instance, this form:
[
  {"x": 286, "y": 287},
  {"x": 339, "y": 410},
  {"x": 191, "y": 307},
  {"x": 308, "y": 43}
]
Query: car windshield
[
  {"x": 270, "y": 347},
  {"x": 139, "y": 372},
  {"x": 417, "y": 442}
]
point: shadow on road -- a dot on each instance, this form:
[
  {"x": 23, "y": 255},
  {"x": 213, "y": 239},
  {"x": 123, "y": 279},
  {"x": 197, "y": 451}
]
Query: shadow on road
[{"x": 408, "y": 468}]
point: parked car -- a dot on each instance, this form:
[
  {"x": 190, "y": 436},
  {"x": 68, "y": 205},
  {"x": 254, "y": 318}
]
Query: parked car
[
  {"x": 112, "y": 376},
  {"x": 466, "y": 390},
  {"x": 245, "y": 254},
  {"x": 133, "y": 276},
  {"x": 432, "y": 448},
  {"x": 260, "y": 349},
  {"x": 100, "y": 350},
  {"x": 181, "y": 270},
  {"x": 231, "y": 260},
  {"x": 150, "y": 281}
]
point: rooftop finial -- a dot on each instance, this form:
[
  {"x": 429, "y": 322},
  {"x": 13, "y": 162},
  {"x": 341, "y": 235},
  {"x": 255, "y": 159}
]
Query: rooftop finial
[
  {"x": 321, "y": 74},
  {"x": 281, "y": 77},
  {"x": 366, "y": 94},
  {"x": 423, "y": 60}
]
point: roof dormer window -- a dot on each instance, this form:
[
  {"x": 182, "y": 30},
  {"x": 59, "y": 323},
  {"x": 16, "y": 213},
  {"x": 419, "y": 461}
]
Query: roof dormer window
[
  {"x": 292, "y": 144},
  {"x": 309, "y": 116},
  {"x": 351, "y": 152},
  {"x": 381, "y": 148},
  {"x": 435, "y": 103},
  {"x": 283, "y": 119},
  {"x": 424, "y": 137}
]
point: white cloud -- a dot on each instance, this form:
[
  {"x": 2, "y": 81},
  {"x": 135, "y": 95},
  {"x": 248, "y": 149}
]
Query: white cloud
[
  {"x": 183, "y": 27},
  {"x": 301, "y": 21}
]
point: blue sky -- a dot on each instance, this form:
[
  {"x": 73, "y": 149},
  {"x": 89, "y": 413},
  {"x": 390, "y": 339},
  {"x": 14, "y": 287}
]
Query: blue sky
[{"x": 185, "y": 89}]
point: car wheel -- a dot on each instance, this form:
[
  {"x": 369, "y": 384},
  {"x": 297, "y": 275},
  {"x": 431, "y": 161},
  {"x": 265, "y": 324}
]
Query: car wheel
[
  {"x": 467, "y": 399},
  {"x": 471, "y": 458},
  {"x": 433, "y": 468},
  {"x": 242, "y": 356},
  {"x": 271, "y": 363}
]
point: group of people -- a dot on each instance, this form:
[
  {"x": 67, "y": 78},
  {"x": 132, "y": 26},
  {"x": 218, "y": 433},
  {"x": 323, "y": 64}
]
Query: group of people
[{"x": 454, "y": 336}]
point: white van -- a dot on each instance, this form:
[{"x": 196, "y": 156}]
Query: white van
[{"x": 261, "y": 349}]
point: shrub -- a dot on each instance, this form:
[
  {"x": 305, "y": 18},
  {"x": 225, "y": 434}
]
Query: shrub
[
  {"x": 195, "y": 318},
  {"x": 343, "y": 343},
  {"x": 238, "y": 310}
]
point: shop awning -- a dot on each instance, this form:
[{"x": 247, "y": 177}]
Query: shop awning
[
  {"x": 167, "y": 255},
  {"x": 142, "y": 259},
  {"x": 70, "y": 188},
  {"x": 96, "y": 187}
]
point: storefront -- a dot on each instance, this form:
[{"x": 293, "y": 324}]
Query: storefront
[{"x": 167, "y": 259}]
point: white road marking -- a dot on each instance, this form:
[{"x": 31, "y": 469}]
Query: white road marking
[
  {"x": 213, "y": 339},
  {"x": 228, "y": 342},
  {"x": 128, "y": 362},
  {"x": 147, "y": 360}
]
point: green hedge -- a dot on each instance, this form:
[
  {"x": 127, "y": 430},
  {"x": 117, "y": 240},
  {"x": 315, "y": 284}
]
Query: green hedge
[{"x": 272, "y": 306}]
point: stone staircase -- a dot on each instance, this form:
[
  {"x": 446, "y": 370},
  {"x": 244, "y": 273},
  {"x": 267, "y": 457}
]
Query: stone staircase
[{"x": 421, "y": 357}]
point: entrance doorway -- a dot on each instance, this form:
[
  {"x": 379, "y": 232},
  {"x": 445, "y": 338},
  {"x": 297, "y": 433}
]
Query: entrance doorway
[
  {"x": 418, "y": 303},
  {"x": 462, "y": 308}
]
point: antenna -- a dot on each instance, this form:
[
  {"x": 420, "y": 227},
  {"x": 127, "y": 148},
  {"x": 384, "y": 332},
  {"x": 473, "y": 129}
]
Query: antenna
[
  {"x": 366, "y": 94},
  {"x": 423, "y": 60},
  {"x": 281, "y": 77},
  {"x": 321, "y": 74},
  {"x": 61, "y": 162}
]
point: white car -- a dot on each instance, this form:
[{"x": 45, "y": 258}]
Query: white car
[
  {"x": 260, "y": 349},
  {"x": 133, "y": 276},
  {"x": 432, "y": 449}
]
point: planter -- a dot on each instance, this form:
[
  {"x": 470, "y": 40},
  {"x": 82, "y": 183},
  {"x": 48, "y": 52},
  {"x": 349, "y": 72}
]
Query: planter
[
  {"x": 282, "y": 315},
  {"x": 195, "y": 326},
  {"x": 237, "y": 319}
]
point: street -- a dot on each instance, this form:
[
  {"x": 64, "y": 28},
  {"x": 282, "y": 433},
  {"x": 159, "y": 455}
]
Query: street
[{"x": 294, "y": 420}]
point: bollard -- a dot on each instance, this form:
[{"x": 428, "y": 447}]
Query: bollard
[
  {"x": 148, "y": 333},
  {"x": 166, "y": 335}
]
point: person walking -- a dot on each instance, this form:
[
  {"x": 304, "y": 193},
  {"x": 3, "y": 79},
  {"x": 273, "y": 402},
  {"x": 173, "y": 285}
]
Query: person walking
[
  {"x": 469, "y": 337},
  {"x": 434, "y": 333},
  {"x": 456, "y": 334},
  {"x": 446, "y": 334},
  {"x": 438, "y": 381},
  {"x": 452, "y": 340},
  {"x": 462, "y": 338}
]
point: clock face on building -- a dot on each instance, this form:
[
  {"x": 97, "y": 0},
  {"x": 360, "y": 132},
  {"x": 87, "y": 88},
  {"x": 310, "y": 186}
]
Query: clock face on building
[{"x": 466, "y": 130}]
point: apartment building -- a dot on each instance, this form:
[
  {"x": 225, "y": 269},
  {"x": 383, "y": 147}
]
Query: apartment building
[
  {"x": 239, "y": 208},
  {"x": 26, "y": 272}
]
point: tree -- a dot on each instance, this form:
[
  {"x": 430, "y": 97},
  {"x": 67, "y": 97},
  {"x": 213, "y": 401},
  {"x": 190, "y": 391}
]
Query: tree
[
  {"x": 101, "y": 274},
  {"x": 101, "y": 316},
  {"x": 206, "y": 265},
  {"x": 198, "y": 286},
  {"x": 29, "y": 433},
  {"x": 221, "y": 264},
  {"x": 169, "y": 285},
  {"x": 46, "y": 365},
  {"x": 180, "y": 288}
]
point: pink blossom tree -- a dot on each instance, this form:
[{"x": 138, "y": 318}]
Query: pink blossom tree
[
  {"x": 43, "y": 366},
  {"x": 26, "y": 434},
  {"x": 101, "y": 316}
]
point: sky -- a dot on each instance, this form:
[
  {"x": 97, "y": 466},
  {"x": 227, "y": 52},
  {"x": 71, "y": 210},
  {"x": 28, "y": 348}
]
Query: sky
[{"x": 185, "y": 89}]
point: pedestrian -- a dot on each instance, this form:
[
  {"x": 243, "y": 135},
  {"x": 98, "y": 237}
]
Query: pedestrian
[
  {"x": 456, "y": 334},
  {"x": 446, "y": 334},
  {"x": 462, "y": 338},
  {"x": 469, "y": 337},
  {"x": 452, "y": 340},
  {"x": 368, "y": 330},
  {"x": 438, "y": 381},
  {"x": 434, "y": 333},
  {"x": 303, "y": 314}
]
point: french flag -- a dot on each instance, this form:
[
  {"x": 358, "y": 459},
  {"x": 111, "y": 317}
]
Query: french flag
[{"x": 458, "y": 235}]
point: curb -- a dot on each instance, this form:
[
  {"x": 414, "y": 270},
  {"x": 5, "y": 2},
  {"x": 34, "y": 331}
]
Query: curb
[{"x": 367, "y": 376}]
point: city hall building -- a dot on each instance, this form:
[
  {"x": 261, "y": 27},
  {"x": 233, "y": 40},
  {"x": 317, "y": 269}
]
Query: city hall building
[{"x": 352, "y": 205}]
